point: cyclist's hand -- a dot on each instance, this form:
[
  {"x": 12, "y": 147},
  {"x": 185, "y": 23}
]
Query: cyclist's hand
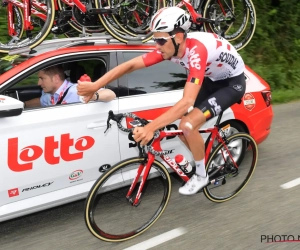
[
  {"x": 86, "y": 89},
  {"x": 142, "y": 135}
]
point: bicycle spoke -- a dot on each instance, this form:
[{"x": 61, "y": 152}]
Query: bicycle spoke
[
  {"x": 133, "y": 19},
  {"x": 230, "y": 167},
  {"x": 147, "y": 5}
]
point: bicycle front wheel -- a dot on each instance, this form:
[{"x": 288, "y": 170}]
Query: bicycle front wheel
[
  {"x": 230, "y": 167},
  {"x": 110, "y": 216}
]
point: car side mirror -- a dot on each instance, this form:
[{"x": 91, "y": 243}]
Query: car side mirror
[{"x": 10, "y": 106}]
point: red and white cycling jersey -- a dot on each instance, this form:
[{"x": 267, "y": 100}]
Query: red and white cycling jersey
[{"x": 206, "y": 54}]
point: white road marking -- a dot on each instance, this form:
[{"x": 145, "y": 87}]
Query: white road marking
[
  {"x": 291, "y": 184},
  {"x": 158, "y": 239}
]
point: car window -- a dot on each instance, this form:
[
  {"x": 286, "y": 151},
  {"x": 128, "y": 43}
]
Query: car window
[
  {"x": 28, "y": 88},
  {"x": 73, "y": 70},
  {"x": 164, "y": 76}
]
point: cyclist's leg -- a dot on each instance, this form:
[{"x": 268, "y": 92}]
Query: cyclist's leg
[
  {"x": 225, "y": 93},
  {"x": 189, "y": 125},
  {"x": 204, "y": 92}
]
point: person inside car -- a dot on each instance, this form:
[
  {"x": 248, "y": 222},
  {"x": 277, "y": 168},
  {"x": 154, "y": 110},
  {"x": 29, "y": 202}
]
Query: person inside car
[
  {"x": 58, "y": 90},
  {"x": 215, "y": 82}
]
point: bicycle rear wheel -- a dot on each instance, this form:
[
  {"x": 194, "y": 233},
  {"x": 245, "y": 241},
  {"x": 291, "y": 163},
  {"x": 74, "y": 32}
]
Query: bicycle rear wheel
[
  {"x": 41, "y": 28},
  {"x": 230, "y": 167},
  {"x": 110, "y": 216},
  {"x": 238, "y": 20}
]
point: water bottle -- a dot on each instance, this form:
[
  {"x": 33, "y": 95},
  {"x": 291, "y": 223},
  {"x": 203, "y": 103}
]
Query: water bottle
[
  {"x": 84, "y": 78},
  {"x": 184, "y": 165}
]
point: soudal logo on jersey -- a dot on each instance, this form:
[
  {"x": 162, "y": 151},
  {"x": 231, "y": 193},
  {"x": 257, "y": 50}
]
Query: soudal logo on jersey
[
  {"x": 23, "y": 159},
  {"x": 228, "y": 58},
  {"x": 194, "y": 58},
  {"x": 37, "y": 186}
]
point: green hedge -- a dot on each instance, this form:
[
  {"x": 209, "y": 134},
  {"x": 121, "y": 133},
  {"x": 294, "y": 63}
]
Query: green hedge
[{"x": 274, "y": 50}]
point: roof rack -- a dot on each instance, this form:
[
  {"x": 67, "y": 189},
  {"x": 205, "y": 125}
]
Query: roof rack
[
  {"x": 19, "y": 51},
  {"x": 63, "y": 43},
  {"x": 97, "y": 38}
]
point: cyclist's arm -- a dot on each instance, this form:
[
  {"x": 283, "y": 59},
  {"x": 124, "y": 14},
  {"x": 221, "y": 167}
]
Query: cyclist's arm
[
  {"x": 136, "y": 63},
  {"x": 190, "y": 92}
]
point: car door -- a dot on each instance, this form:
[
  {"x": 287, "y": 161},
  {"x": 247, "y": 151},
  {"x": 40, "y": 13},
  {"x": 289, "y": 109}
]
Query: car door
[
  {"x": 53, "y": 155},
  {"x": 150, "y": 92}
]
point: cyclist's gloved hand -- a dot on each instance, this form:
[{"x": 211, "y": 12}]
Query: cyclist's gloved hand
[{"x": 142, "y": 135}]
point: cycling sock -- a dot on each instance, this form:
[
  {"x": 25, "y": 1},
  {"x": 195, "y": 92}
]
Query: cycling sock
[{"x": 200, "y": 168}]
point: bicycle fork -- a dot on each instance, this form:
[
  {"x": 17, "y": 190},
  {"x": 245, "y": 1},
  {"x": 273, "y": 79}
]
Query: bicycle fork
[{"x": 143, "y": 169}]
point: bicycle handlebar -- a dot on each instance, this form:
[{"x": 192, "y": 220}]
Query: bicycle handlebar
[{"x": 118, "y": 118}]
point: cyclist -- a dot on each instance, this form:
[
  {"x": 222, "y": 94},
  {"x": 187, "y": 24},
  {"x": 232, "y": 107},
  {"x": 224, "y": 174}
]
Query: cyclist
[{"x": 215, "y": 82}]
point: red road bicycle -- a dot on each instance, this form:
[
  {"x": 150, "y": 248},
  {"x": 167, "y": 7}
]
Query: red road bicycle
[{"x": 129, "y": 197}]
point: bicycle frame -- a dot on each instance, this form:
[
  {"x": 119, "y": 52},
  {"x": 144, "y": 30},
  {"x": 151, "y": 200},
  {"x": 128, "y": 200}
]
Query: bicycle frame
[{"x": 171, "y": 162}]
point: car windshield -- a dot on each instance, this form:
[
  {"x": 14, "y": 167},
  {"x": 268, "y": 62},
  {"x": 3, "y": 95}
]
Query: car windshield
[{"x": 7, "y": 62}]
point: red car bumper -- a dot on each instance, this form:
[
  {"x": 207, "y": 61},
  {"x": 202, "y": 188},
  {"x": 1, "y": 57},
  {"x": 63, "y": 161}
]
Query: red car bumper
[{"x": 261, "y": 122}]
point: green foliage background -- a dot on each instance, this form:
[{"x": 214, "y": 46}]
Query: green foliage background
[{"x": 274, "y": 50}]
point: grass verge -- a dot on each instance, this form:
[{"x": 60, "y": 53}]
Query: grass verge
[{"x": 284, "y": 96}]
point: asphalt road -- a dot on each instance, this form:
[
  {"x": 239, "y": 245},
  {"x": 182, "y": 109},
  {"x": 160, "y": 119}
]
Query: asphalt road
[{"x": 263, "y": 209}]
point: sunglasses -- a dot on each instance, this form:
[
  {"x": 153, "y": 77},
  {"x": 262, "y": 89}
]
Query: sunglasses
[{"x": 162, "y": 40}]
